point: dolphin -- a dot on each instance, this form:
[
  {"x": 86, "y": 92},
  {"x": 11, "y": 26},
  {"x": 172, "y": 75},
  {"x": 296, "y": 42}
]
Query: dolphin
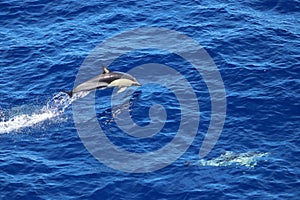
[{"x": 105, "y": 80}]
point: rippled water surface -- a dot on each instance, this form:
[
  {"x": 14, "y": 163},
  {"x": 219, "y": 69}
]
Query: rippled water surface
[{"x": 255, "y": 46}]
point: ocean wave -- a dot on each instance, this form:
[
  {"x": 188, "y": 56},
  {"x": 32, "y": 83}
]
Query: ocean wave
[{"x": 281, "y": 6}]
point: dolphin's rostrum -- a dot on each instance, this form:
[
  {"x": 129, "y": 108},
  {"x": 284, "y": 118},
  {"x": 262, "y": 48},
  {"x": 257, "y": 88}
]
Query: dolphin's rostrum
[{"x": 106, "y": 80}]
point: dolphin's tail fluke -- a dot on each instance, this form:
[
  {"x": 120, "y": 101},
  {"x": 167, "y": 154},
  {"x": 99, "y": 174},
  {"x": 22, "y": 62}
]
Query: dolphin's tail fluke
[{"x": 70, "y": 93}]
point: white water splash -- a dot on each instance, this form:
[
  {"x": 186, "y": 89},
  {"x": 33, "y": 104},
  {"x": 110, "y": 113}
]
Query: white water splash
[
  {"x": 248, "y": 159},
  {"x": 54, "y": 107}
]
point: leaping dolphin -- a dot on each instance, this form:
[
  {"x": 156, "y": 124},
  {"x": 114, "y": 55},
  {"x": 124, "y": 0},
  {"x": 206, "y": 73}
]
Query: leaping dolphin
[{"x": 106, "y": 80}]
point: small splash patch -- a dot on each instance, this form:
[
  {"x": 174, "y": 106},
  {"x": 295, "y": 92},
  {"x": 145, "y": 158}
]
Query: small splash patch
[{"x": 248, "y": 159}]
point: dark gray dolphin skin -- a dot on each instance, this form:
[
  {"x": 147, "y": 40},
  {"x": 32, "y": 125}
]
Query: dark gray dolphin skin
[{"x": 106, "y": 80}]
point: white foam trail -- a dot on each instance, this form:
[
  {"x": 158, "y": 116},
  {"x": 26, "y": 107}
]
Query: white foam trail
[
  {"x": 23, "y": 121},
  {"x": 248, "y": 159},
  {"x": 54, "y": 107}
]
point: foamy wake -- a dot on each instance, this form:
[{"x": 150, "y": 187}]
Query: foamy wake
[
  {"x": 53, "y": 108},
  {"x": 248, "y": 159}
]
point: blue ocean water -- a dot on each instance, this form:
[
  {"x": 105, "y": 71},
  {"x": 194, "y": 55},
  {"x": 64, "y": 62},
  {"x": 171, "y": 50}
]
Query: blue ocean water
[{"x": 256, "y": 47}]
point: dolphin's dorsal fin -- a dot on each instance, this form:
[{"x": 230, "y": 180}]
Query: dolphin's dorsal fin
[{"x": 105, "y": 70}]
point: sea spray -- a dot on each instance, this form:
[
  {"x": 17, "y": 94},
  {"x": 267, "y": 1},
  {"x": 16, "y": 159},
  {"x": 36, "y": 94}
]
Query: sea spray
[
  {"x": 248, "y": 159},
  {"x": 53, "y": 108}
]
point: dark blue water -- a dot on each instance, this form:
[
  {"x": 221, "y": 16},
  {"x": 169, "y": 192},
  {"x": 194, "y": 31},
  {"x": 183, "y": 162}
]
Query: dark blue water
[{"x": 255, "y": 46}]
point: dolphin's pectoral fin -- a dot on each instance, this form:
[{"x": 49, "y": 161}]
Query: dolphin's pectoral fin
[
  {"x": 122, "y": 89},
  {"x": 105, "y": 70}
]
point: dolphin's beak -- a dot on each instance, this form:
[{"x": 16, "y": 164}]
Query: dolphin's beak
[{"x": 137, "y": 84}]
